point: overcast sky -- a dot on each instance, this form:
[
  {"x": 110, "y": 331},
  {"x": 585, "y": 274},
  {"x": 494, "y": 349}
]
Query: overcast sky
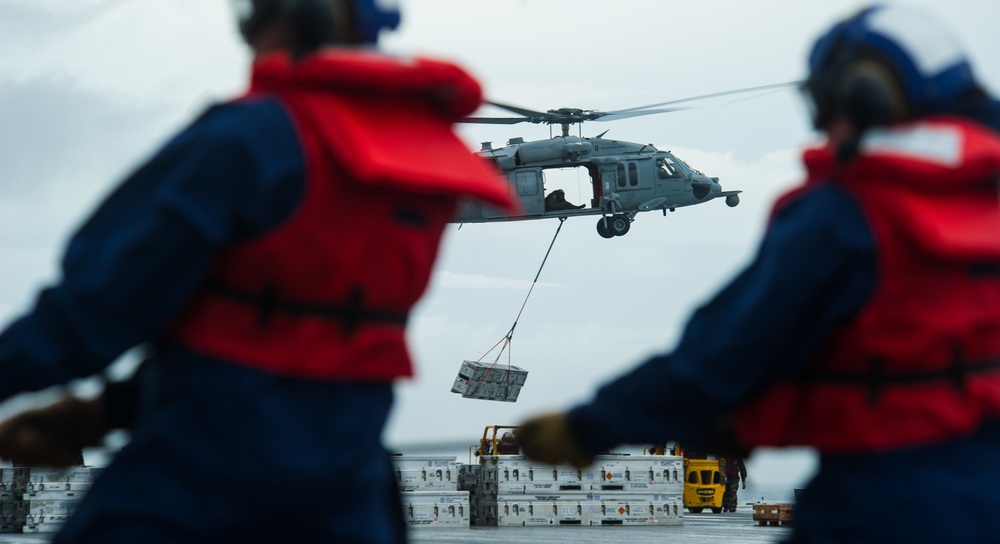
[{"x": 90, "y": 88}]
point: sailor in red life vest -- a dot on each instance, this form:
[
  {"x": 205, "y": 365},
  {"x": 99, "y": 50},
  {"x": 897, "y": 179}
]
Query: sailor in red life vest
[
  {"x": 266, "y": 258},
  {"x": 868, "y": 325}
]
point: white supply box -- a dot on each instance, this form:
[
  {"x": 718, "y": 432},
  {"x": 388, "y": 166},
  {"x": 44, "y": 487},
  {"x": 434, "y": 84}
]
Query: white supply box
[
  {"x": 436, "y": 508},
  {"x": 426, "y": 473},
  {"x": 56, "y": 491},
  {"x": 635, "y": 512},
  {"x": 39, "y": 475},
  {"x": 56, "y": 507},
  {"x": 49, "y": 523},
  {"x": 468, "y": 477},
  {"x": 44, "y": 527},
  {"x": 646, "y": 474},
  {"x": 10, "y": 523},
  {"x": 523, "y": 513},
  {"x": 668, "y": 510},
  {"x": 500, "y": 382}
]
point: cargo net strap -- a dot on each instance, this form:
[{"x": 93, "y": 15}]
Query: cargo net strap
[{"x": 510, "y": 334}]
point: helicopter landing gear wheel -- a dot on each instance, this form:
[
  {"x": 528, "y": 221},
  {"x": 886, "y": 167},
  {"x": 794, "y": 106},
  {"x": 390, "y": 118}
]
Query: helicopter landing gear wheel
[
  {"x": 618, "y": 224},
  {"x": 602, "y": 229}
]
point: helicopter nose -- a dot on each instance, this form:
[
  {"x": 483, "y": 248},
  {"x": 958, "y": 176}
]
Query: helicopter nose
[{"x": 706, "y": 187}]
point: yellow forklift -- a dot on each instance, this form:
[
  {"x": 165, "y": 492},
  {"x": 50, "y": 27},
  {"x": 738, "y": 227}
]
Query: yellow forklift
[
  {"x": 704, "y": 485},
  {"x": 496, "y": 440}
]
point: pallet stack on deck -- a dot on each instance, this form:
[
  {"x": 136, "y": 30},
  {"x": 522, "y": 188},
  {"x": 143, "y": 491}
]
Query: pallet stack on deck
[
  {"x": 616, "y": 490},
  {"x": 773, "y": 514},
  {"x": 429, "y": 486},
  {"x": 39, "y": 500}
]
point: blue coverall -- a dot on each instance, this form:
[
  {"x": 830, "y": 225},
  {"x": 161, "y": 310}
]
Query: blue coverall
[
  {"x": 818, "y": 259},
  {"x": 219, "y": 452}
]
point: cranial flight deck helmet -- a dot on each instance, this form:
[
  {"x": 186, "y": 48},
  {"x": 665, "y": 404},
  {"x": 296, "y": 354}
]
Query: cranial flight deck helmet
[
  {"x": 313, "y": 20},
  {"x": 886, "y": 64}
]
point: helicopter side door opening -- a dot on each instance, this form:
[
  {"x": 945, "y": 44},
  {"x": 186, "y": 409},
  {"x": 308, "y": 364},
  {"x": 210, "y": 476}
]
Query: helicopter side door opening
[{"x": 570, "y": 188}]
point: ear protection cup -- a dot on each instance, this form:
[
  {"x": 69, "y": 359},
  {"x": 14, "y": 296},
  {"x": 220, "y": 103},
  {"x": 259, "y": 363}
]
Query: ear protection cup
[
  {"x": 863, "y": 90},
  {"x": 856, "y": 83},
  {"x": 921, "y": 68},
  {"x": 254, "y": 15},
  {"x": 311, "y": 20}
]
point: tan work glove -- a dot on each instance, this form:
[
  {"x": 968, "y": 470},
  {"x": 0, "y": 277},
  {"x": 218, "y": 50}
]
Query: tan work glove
[
  {"x": 549, "y": 439},
  {"x": 53, "y": 436}
]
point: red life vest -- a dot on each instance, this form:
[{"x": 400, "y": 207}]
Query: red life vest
[
  {"x": 920, "y": 363},
  {"x": 326, "y": 294}
]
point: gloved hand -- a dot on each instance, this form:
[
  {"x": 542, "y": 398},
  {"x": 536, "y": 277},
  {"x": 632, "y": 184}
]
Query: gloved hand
[
  {"x": 549, "y": 439},
  {"x": 744, "y": 483},
  {"x": 55, "y": 435}
]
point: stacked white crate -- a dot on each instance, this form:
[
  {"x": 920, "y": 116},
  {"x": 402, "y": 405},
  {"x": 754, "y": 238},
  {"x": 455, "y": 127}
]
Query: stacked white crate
[
  {"x": 12, "y": 484},
  {"x": 616, "y": 490},
  {"x": 40, "y": 500},
  {"x": 429, "y": 490},
  {"x": 478, "y": 380}
]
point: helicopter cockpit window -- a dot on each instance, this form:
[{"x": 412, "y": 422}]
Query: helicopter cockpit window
[
  {"x": 691, "y": 169},
  {"x": 620, "y": 174},
  {"x": 667, "y": 168},
  {"x": 633, "y": 174}
]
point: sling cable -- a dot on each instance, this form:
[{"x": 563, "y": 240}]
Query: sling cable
[{"x": 477, "y": 380}]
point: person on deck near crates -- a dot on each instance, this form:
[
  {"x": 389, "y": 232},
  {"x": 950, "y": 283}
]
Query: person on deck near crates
[
  {"x": 267, "y": 258},
  {"x": 868, "y": 324},
  {"x": 735, "y": 471}
]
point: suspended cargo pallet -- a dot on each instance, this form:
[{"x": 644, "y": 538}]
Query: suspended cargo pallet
[{"x": 489, "y": 382}]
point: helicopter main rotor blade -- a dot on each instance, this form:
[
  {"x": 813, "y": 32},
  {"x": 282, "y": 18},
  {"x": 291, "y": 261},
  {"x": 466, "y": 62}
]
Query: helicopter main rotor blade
[
  {"x": 714, "y": 95},
  {"x": 494, "y": 120},
  {"x": 623, "y": 114},
  {"x": 523, "y": 111},
  {"x": 568, "y": 116}
]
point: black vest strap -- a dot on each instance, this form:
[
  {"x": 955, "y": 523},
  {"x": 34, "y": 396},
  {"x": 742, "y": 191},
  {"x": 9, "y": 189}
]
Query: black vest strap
[
  {"x": 876, "y": 378},
  {"x": 350, "y": 314}
]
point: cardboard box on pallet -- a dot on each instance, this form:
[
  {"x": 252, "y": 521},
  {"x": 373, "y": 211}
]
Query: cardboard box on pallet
[{"x": 773, "y": 514}]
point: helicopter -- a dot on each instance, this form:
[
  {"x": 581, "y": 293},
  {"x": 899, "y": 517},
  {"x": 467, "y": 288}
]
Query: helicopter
[{"x": 625, "y": 178}]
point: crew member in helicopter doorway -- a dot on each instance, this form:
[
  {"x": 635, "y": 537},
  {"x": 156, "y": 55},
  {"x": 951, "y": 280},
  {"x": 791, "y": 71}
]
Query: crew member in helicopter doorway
[
  {"x": 868, "y": 325},
  {"x": 268, "y": 256}
]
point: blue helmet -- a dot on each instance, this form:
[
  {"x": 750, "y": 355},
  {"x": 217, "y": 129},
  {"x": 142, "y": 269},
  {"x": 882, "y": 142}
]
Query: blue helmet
[
  {"x": 371, "y": 16},
  {"x": 927, "y": 62}
]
